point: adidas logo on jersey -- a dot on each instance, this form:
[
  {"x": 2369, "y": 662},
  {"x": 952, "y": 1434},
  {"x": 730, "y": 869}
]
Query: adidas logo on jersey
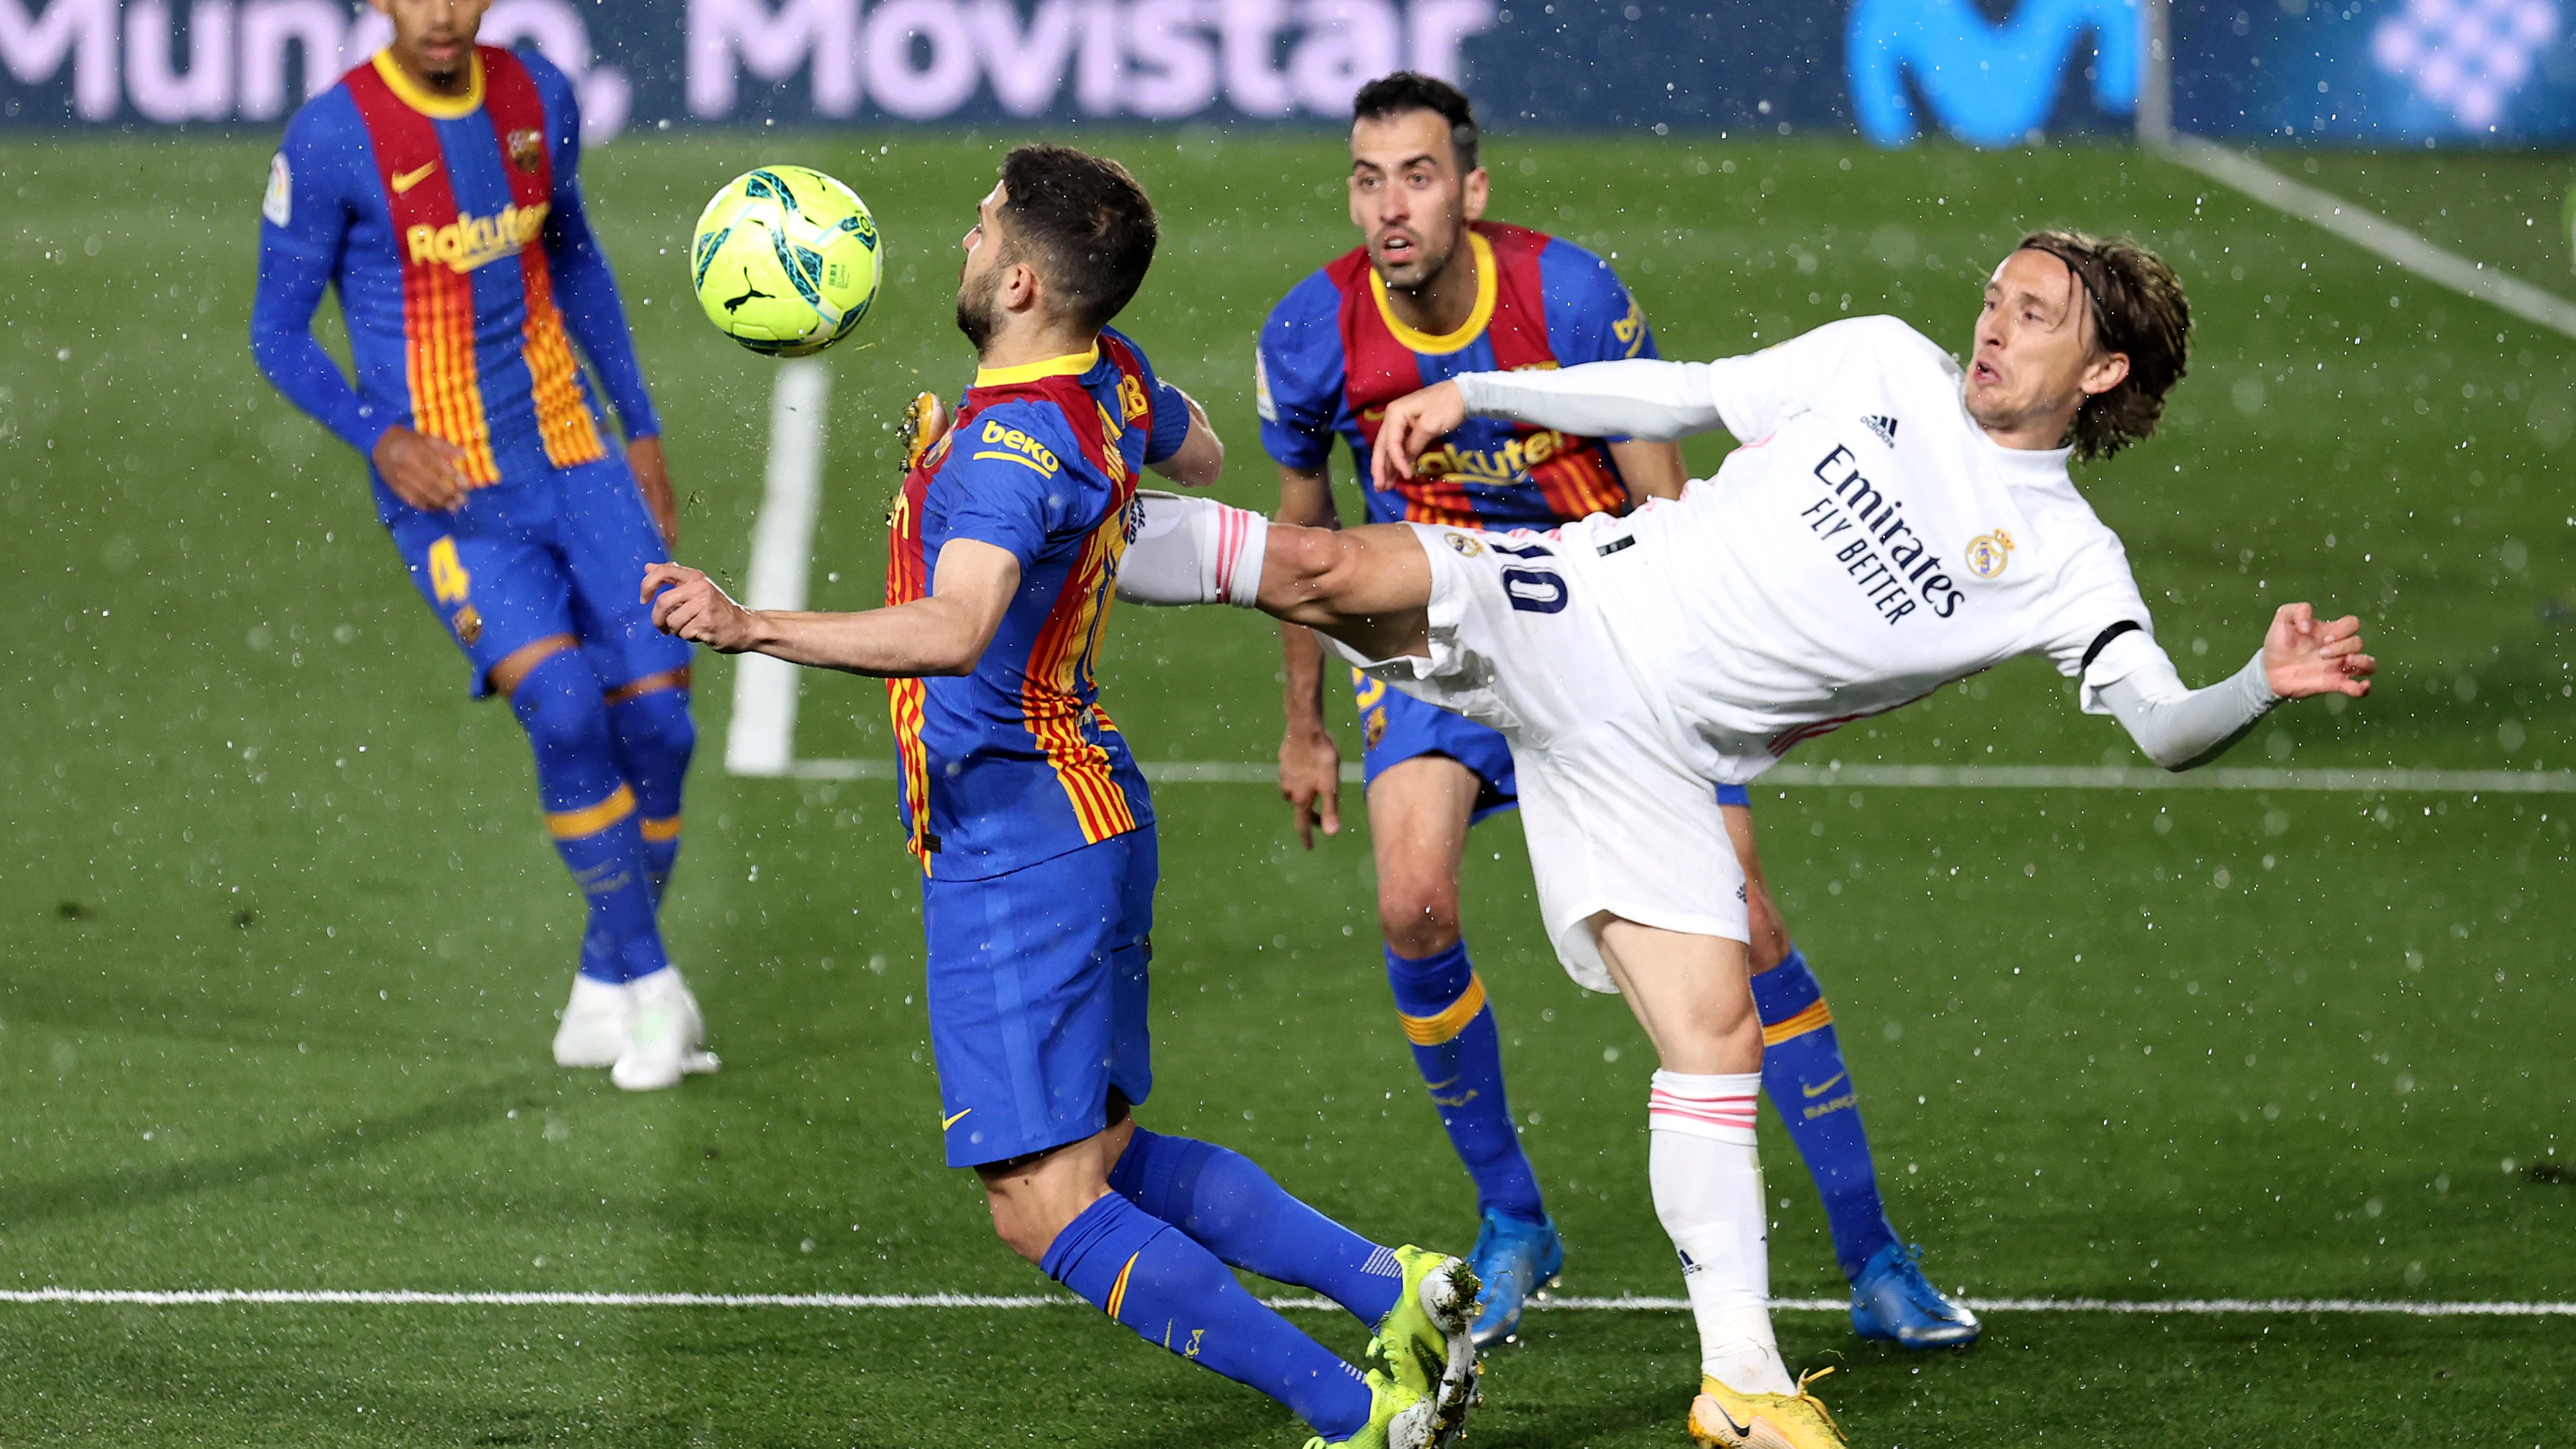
[{"x": 1884, "y": 427}]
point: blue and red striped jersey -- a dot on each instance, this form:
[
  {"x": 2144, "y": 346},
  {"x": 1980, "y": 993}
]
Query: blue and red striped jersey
[
  {"x": 1015, "y": 762},
  {"x": 1333, "y": 355},
  {"x": 453, "y": 228}
]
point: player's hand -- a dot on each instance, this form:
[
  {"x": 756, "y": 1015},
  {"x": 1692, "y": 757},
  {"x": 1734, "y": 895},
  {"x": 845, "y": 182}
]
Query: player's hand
[
  {"x": 2303, "y": 655},
  {"x": 653, "y": 477},
  {"x": 688, "y": 604},
  {"x": 1310, "y": 779},
  {"x": 427, "y": 473},
  {"x": 1413, "y": 423}
]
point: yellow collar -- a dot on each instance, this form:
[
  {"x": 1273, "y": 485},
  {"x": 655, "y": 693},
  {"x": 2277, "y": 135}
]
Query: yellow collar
[
  {"x": 428, "y": 102},
  {"x": 1473, "y": 328},
  {"x": 1072, "y": 364}
]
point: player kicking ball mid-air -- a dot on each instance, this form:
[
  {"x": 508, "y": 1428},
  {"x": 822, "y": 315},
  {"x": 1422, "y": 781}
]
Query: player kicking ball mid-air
[
  {"x": 434, "y": 187},
  {"x": 1891, "y": 523},
  {"x": 1434, "y": 292},
  {"x": 1036, "y": 836}
]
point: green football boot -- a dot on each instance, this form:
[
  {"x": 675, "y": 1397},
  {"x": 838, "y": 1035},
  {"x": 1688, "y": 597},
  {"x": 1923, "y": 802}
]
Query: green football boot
[
  {"x": 1398, "y": 1418},
  {"x": 1424, "y": 1340}
]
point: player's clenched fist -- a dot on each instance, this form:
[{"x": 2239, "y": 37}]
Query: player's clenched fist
[
  {"x": 689, "y": 604},
  {"x": 1413, "y": 423},
  {"x": 2304, "y": 655}
]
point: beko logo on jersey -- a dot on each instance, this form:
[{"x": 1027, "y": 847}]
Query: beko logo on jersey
[
  {"x": 1859, "y": 521},
  {"x": 470, "y": 241}
]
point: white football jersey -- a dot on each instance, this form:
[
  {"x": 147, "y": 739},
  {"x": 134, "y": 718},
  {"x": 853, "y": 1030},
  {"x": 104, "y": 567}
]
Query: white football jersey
[{"x": 1865, "y": 545}]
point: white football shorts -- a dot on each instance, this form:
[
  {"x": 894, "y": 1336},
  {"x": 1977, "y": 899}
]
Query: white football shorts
[{"x": 1617, "y": 823}]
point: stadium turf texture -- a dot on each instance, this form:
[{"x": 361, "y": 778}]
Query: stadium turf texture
[{"x": 283, "y": 942}]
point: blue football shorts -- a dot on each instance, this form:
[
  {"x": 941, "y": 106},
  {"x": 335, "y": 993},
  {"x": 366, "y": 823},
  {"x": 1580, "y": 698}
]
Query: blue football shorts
[
  {"x": 557, "y": 551},
  {"x": 1037, "y": 997},
  {"x": 1396, "y": 727}
]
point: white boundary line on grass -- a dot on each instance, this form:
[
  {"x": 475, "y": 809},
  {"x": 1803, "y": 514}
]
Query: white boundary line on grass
[
  {"x": 1922, "y": 777},
  {"x": 762, "y": 738},
  {"x": 401, "y": 1298},
  {"x": 2373, "y": 233}
]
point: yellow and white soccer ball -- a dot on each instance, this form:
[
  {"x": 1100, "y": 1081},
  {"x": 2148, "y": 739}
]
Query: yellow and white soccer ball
[{"x": 785, "y": 260}]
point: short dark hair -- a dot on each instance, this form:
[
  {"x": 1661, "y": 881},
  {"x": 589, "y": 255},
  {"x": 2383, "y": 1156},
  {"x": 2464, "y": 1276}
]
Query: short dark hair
[
  {"x": 1411, "y": 90},
  {"x": 2137, "y": 308},
  {"x": 1084, "y": 223}
]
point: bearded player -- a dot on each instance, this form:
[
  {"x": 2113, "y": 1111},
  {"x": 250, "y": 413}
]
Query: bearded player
[
  {"x": 1436, "y": 291},
  {"x": 433, "y": 187},
  {"x": 1891, "y": 523},
  {"x": 1035, "y": 834}
]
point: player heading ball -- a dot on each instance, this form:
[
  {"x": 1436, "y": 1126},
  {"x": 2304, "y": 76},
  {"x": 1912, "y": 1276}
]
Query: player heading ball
[
  {"x": 1894, "y": 522},
  {"x": 1035, "y": 833}
]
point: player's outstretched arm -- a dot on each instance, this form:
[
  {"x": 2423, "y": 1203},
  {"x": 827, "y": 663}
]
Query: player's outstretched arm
[
  {"x": 943, "y": 634},
  {"x": 1368, "y": 587},
  {"x": 2182, "y": 729}
]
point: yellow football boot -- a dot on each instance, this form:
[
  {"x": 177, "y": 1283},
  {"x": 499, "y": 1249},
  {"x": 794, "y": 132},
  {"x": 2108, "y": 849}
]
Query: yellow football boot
[
  {"x": 1398, "y": 1418},
  {"x": 1425, "y": 1340},
  {"x": 1721, "y": 1418}
]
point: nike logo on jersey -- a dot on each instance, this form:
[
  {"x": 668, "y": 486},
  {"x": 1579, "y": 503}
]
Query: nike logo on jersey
[
  {"x": 1885, "y": 427},
  {"x": 405, "y": 181},
  {"x": 1813, "y": 1092},
  {"x": 951, "y": 1120}
]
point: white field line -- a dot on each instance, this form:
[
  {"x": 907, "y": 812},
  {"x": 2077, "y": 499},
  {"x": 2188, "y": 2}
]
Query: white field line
[
  {"x": 400, "y": 1298},
  {"x": 1925, "y": 777},
  {"x": 762, "y": 738},
  {"x": 2373, "y": 233}
]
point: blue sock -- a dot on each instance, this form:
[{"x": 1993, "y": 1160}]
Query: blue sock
[
  {"x": 590, "y": 812},
  {"x": 1230, "y": 1207},
  {"x": 1460, "y": 1052},
  {"x": 1149, "y": 1276},
  {"x": 1802, "y": 1069},
  {"x": 655, "y": 737}
]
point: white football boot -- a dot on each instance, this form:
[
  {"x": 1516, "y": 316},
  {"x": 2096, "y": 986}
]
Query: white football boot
[
  {"x": 595, "y": 1026},
  {"x": 668, "y": 1038}
]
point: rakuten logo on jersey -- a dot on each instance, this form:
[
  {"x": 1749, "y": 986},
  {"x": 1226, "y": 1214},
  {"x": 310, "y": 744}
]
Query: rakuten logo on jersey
[{"x": 1866, "y": 529}]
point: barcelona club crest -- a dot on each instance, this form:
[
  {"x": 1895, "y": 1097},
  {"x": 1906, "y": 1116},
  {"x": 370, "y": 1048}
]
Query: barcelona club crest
[
  {"x": 527, "y": 149},
  {"x": 1988, "y": 553}
]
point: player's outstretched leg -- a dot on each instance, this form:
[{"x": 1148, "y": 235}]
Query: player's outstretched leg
[
  {"x": 1368, "y": 586},
  {"x": 1803, "y": 1069},
  {"x": 1414, "y": 1302},
  {"x": 1170, "y": 1290},
  {"x": 591, "y": 813},
  {"x": 655, "y": 738}
]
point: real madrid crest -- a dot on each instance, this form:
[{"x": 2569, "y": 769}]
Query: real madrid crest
[
  {"x": 1989, "y": 552},
  {"x": 527, "y": 149},
  {"x": 1464, "y": 546}
]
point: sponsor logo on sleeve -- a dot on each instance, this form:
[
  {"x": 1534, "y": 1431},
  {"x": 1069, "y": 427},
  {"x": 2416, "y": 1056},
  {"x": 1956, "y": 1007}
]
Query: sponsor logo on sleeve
[
  {"x": 279, "y": 204},
  {"x": 1261, "y": 402}
]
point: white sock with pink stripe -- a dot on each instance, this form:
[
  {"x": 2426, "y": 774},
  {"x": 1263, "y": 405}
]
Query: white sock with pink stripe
[
  {"x": 1708, "y": 1193},
  {"x": 1192, "y": 551}
]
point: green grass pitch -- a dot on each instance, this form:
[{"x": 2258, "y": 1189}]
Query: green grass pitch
[{"x": 281, "y": 941}]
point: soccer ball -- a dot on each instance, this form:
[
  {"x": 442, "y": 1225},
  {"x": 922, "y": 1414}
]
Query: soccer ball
[{"x": 785, "y": 260}]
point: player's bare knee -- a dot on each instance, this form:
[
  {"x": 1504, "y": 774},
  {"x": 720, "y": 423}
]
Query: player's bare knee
[{"x": 1418, "y": 917}]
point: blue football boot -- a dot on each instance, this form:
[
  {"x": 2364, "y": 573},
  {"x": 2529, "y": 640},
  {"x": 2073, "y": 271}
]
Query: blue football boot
[
  {"x": 1892, "y": 1299},
  {"x": 1513, "y": 1259}
]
